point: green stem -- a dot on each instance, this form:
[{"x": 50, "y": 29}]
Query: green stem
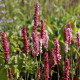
[
  {"x": 71, "y": 61},
  {"x": 40, "y": 60},
  {"x": 25, "y": 69},
  {"x": 7, "y": 74},
  {"x": 25, "y": 75},
  {"x": 66, "y": 55},
  {"x": 6, "y": 63},
  {"x": 51, "y": 78},
  {"x": 36, "y": 62},
  {"x": 63, "y": 66},
  {"x": 51, "y": 75},
  {"x": 40, "y": 57},
  {"x": 28, "y": 76}
]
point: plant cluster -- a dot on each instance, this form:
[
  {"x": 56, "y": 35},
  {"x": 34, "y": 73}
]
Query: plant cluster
[{"x": 34, "y": 58}]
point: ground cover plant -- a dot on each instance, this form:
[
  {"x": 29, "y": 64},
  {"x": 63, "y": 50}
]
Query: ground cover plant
[{"x": 42, "y": 48}]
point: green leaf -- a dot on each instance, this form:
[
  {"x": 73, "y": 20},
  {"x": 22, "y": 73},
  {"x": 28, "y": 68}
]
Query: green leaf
[
  {"x": 76, "y": 51},
  {"x": 59, "y": 36},
  {"x": 3, "y": 73},
  {"x": 52, "y": 27}
]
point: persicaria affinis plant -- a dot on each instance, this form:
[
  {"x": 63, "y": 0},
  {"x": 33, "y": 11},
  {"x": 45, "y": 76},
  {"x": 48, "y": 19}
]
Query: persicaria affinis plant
[
  {"x": 66, "y": 72},
  {"x": 36, "y": 16},
  {"x": 78, "y": 39},
  {"x": 57, "y": 50},
  {"x": 5, "y": 46},
  {"x": 53, "y": 58},
  {"x": 46, "y": 66},
  {"x": 25, "y": 41},
  {"x": 10, "y": 74}
]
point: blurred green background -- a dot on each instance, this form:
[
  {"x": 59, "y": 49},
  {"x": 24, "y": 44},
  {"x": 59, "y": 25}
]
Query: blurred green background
[
  {"x": 56, "y": 12},
  {"x": 56, "y": 15}
]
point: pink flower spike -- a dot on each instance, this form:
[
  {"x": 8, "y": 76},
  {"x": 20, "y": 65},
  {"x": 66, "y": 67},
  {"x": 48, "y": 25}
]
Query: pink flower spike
[
  {"x": 46, "y": 66},
  {"x": 39, "y": 73},
  {"x": 65, "y": 35},
  {"x": 25, "y": 41},
  {"x": 10, "y": 74},
  {"x": 46, "y": 38},
  {"x": 36, "y": 16},
  {"x": 42, "y": 29},
  {"x": 69, "y": 31},
  {"x": 66, "y": 72},
  {"x": 66, "y": 47},
  {"x": 69, "y": 25},
  {"x": 57, "y": 50},
  {"x": 66, "y": 39},
  {"x": 40, "y": 45},
  {"x": 35, "y": 44},
  {"x": 78, "y": 39},
  {"x": 5, "y": 46},
  {"x": 53, "y": 58}
]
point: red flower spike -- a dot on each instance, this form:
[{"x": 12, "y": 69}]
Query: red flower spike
[
  {"x": 46, "y": 66},
  {"x": 36, "y": 16},
  {"x": 5, "y": 46},
  {"x": 25, "y": 41}
]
